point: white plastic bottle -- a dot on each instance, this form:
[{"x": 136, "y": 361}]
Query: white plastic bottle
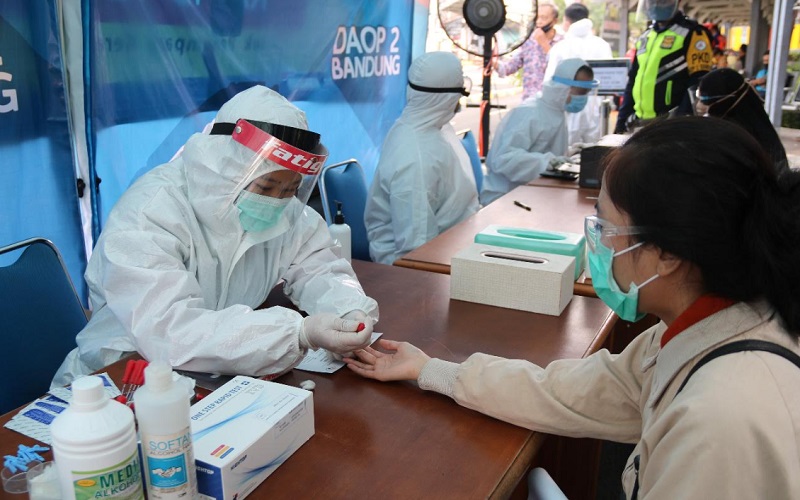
[
  {"x": 162, "y": 410},
  {"x": 340, "y": 232},
  {"x": 94, "y": 445}
]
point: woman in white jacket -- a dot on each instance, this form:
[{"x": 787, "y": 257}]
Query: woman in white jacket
[
  {"x": 194, "y": 246},
  {"x": 694, "y": 226}
]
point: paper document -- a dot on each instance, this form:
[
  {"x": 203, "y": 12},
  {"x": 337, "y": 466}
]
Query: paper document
[
  {"x": 34, "y": 420},
  {"x": 323, "y": 361}
]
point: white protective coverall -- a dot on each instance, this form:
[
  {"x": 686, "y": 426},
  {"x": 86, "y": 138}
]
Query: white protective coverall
[
  {"x": 579, "y": 41},
  {"x": 420, "y": 188},
  {"x": 529, "y": 137},
  {"x": 174, "y": 274}
]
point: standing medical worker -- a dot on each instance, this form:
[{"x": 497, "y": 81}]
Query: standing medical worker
[
  {"x": 695, "y": 227},
  {"x": 580, "y": 41},
  {"x": 420, "y": 188},
  {"x": 194, "y": 246},
  {"x": 534, "y": 134}
]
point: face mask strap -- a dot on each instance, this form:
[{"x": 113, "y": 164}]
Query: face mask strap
[
  {"x": 439, "y": 90},
  {"x": 735, "y": 103},
  {"x": 629, "y": 249}
]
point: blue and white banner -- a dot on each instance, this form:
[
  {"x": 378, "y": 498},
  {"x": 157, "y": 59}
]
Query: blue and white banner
[
  {"x": 38, "y": 193},
  {"x": 159, "y": 69}
]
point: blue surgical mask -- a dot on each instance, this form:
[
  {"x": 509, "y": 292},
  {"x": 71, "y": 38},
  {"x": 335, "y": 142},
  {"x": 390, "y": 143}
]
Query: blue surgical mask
[
  {"x": 576, "y": 103},
  {"x": 625, "y": 304},
  {"x": 258, "y": 212}
]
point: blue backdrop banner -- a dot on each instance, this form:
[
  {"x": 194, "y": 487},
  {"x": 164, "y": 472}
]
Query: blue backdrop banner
[
  {"x": 159, "y": 69},
  {"x": 38, "y": 194}
]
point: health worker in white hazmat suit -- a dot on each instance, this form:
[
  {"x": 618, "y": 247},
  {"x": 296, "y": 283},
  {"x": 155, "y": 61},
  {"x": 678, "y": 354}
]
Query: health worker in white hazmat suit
[
  {"x": 420, "y": 188},
  {"x": 533, "y": 136},
  {"x": 194, "y": 246}
]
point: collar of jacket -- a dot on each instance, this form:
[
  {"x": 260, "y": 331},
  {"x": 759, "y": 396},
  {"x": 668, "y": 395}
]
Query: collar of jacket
[{"x": 706, "y": 334}]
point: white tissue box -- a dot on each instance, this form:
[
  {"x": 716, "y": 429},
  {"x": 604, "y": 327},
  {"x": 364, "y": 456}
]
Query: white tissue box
[
  {"x": 517, "y": 279},
  {"x": 244, "y": 430}
]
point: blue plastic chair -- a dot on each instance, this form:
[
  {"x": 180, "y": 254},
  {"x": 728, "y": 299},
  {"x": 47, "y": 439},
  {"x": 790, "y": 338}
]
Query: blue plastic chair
[
  {"x": 41, "y": 315},
  {"x": 345, "y": 182},
  {"x": 471, "y": 145}
]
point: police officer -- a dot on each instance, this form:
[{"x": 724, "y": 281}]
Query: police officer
[{"x": 671, "y": 56}]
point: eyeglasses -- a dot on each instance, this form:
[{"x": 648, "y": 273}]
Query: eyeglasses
[{"x": 599, "y": 231}]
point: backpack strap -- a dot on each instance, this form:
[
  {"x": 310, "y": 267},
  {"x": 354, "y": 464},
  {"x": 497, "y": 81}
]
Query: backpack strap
[{"x": 739, "y": 346}]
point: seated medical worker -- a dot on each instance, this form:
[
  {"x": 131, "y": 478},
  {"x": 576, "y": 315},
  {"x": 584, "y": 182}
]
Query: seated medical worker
[
  {"x": 534, "y": 134},
  {"x": 194, "y": 246},
  {"x": 420, "y": 188},
  {"x": 694, "y": 226}
]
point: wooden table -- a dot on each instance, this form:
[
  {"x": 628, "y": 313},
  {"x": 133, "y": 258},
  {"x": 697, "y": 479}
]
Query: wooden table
[
  {"x": 559, "y": 183},
  {"x": 392, "y": 440},
  {"x": 551, "y": 210}
]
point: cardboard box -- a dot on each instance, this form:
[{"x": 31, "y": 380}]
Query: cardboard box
[
  {"x": 244, "y": 430},
  {"x": 516, "y": 279},
  {"x": 535, "y": 240}
]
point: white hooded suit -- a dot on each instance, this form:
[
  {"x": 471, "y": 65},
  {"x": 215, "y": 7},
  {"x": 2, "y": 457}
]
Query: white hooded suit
[
  {"x": 420, "y": 188},
  {"x": 579, "y": 41},
  {"x": 173, "y": 274},
  {"x": 528, "y": 137}
]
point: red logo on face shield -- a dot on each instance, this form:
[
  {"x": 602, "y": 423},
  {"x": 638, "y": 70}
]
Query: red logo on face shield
[
  {"x": 292, "y": 158},
  {"x": 275, "y": 150}
]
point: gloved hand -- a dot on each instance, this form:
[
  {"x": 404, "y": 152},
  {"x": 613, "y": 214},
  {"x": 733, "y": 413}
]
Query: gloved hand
[
  {"x": 556, "y": 161},
  {"x": 575, "y": 149},
  {"x": 338, "y": 335}
]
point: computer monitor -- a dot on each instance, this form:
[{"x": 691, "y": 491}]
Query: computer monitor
[{"x": 611, "y": 73}]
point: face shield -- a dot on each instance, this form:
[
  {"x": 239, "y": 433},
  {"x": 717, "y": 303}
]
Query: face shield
[
  {"x": 282, "y": 165},
  {"x": 579, "y": 92},
  {"x": 656, "y": 10}
]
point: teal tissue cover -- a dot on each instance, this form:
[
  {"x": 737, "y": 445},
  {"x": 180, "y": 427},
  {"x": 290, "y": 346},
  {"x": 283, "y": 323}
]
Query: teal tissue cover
[{"x": 571, "y": 244}]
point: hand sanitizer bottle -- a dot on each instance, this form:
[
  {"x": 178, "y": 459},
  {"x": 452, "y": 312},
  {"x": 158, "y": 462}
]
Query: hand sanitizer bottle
[
  {"x": 340, "y": 232},
  {"x": 162, "y": 410}
]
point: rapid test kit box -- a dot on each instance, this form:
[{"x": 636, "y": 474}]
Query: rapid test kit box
[{"x": 244, "y": 430}]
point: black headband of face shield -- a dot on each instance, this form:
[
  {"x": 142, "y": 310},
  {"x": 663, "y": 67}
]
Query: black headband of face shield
[
  {"x": 297, "y": 137},
  {"x": 433, "y": 90}
]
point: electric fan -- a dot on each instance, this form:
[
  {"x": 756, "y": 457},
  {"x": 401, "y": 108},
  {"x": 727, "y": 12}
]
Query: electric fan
[{"x": 473, "y": 26}]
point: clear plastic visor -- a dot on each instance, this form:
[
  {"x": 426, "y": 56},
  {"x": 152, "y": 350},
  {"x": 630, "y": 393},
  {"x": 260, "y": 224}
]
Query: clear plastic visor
[
  {"x": 656, "y": 10},
  {"x": 276, "y": 168}
]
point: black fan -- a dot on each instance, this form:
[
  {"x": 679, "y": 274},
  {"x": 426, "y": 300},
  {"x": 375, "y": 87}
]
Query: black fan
[{"x": 473, "y": 26}]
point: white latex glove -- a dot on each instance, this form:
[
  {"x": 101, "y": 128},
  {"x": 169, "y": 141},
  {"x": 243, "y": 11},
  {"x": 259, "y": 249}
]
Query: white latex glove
[
  {"x": 577, "y": 147},
  {"x": 558, "y": 160},
  {"x": 335, "y": 334}
]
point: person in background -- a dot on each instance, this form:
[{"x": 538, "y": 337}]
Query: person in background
[
  {"x": 671, "y": 57},
  {"x": 533, "y": 136},
  {"x": 718, "y": 40},
  {"x": 693, "y": 226},
  {"x": 194, "y": 246},
  {"x": 759, "y": 83},
  {"x": 420, "y": 188},
  {"x": 579, "y": 41},
  {"x": 532, "y": 55},
  {"x": 724, "y": 93},
  {"x": 720, "y": 59}
]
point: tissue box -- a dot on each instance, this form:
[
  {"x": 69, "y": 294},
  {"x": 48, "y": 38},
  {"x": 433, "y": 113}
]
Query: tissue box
[
  {"x": 571, "y": 244},
  {"x": 244, "y": 430},
  {"x": 516, "y": 279}
]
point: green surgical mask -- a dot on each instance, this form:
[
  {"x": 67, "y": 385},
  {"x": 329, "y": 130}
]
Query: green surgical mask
[
  {"x": 625, "y": 304},
  {"x": 258, "y": 212}
]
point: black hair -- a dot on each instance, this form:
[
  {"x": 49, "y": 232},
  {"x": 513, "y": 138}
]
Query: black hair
[
  {"x": 739, "y": 103},
  {"x": 576, "y": 12},
  {"x": 710, "y": 195}
]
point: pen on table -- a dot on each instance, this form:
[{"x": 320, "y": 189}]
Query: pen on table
[{"x": 522, "y": 205}]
